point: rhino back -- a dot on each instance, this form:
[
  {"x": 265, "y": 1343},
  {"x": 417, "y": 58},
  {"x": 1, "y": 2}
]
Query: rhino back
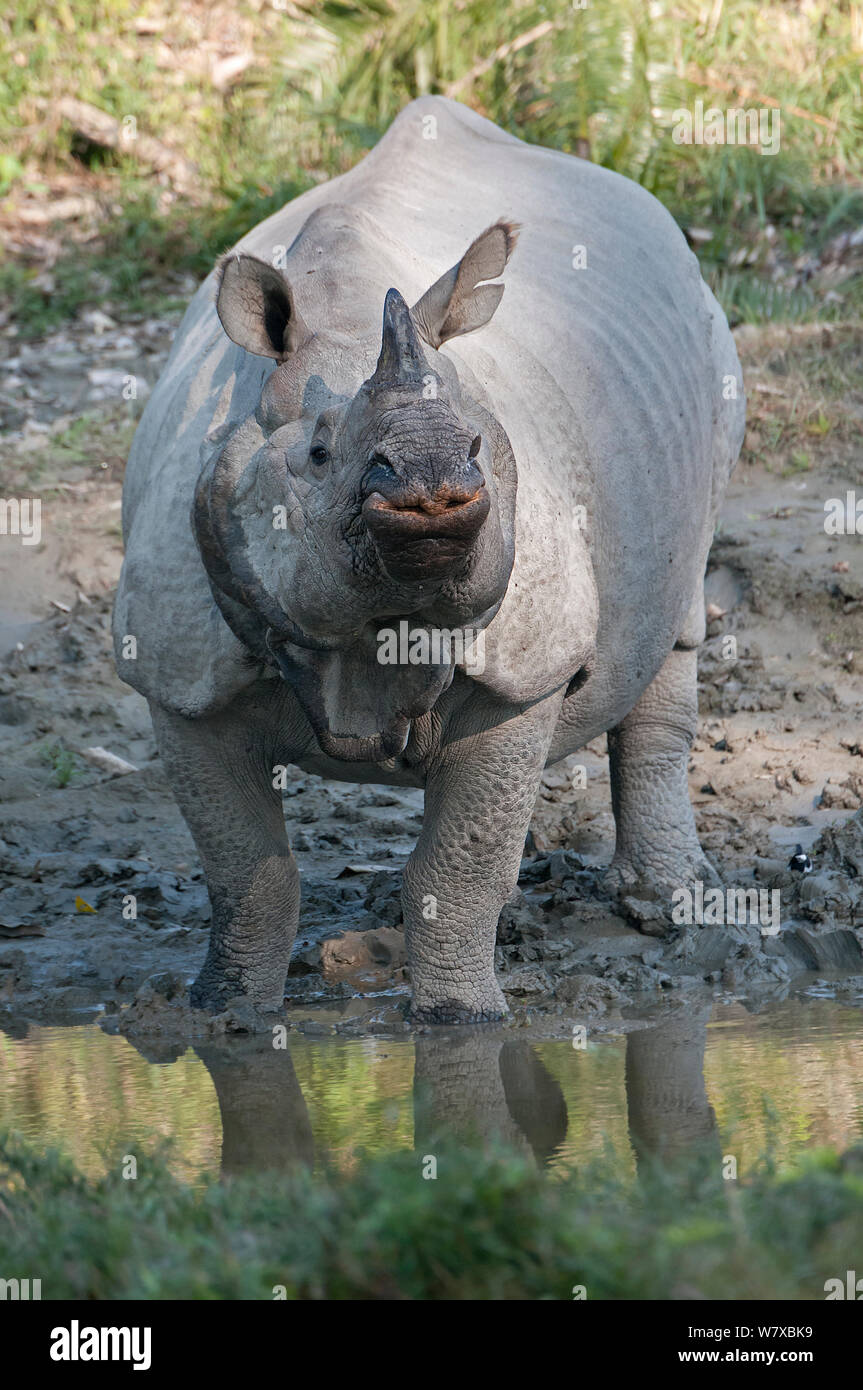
[{"x": 604, "y": 377}]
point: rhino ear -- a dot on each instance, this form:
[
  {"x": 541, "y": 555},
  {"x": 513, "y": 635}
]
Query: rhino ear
[
  {"x": 457, "y": 302},
  {"x": 256, "y": 306}
]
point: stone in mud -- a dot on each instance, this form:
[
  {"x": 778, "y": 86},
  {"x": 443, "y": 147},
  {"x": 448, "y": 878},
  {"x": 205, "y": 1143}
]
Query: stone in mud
[
  {"x": 166, "y": 983},
  {"x": 767, "y": 870},
  {"x": 595, "y": 932},
  {"x": 590, "y": 995},
  {"x": 14, "y": 710},
  {"x": 653, "y": 918},
  {"x": 563, "y": 865},
  {"x": 815, "y": 886},
  {"x": 161, "y": 1007},
  {"x": 519, "y": 922},
  {"x": 850, "y": 988},
  {"x": 306, "y": 960},
  {"x": 386, "y": 946},
  {"x": 533, "y": 869},
  {"x": 846, "y": 795},
  {"x": 381, "y": 950},
  {"x": 638, "y": 977},
  {"x": 526, "y": 981},
  {"x": 383, "y": 902},
  {"x": 833, "y": 950},
  {"x": 373, "y": 1016},
  {"x": 314, "y": 989},
  {"x": 344, "y": 954},
  {"x": 749, "y": 967},
  {"x": 842, "y": 847},
  {"x": 15, "y": 972},
  {"x": 827, "y": 899},
  {"x": 702, "y": 950},
  {"x": 22, "y": 903},
  {"x": 314, "y": 1027}
]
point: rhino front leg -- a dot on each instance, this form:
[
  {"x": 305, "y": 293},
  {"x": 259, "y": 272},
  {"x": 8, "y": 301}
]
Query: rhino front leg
[
  {"x": 657, "y": 843},
  {"x": 479, "y": 799},
  {"x": 221, "y": 775}
]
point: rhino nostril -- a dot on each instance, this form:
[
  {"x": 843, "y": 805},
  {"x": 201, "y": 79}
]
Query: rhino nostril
[
  {"x": 381, "y": 477},
  {"x": 450, "y": 496},
  {"x": 428, "y": 490},
  {"x": 418, "y": 495}
]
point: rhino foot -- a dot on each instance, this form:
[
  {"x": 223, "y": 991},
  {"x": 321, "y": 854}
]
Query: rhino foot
[
  {"x": 452, "y": 1011},
  {"x": 211, "y": 996},
  {"x": 657, "y": 881},
  {"x": 215, "y": 992}
]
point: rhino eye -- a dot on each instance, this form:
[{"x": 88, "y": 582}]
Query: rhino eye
[{"x": 319, "y": 455}]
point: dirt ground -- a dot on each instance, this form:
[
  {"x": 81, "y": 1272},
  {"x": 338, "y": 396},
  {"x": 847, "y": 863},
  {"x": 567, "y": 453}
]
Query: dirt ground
[{"x": 778, "y": 760}]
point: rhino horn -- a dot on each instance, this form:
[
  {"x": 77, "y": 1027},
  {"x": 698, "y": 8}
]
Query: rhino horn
[{"x": 402, "y": 361}]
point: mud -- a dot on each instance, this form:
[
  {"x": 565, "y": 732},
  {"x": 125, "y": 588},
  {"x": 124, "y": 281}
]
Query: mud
[{"x": 778, "y": 761}]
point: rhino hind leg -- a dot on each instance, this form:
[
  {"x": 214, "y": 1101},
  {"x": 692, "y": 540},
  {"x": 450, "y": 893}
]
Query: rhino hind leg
[
  {"x": 221, "y": 775},
  {"x": 657, "y": 846}
]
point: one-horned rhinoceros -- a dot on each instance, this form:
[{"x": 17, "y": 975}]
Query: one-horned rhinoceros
[{"x": 536, "y": 473}]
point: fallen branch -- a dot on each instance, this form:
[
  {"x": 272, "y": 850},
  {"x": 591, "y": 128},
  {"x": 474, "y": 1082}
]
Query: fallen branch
[
  {"x": 503, "y": 51},
  {"x": 108, "y": 133},
  {"x": 108, "y": 762},
  {"x": 709, "y": 79}
]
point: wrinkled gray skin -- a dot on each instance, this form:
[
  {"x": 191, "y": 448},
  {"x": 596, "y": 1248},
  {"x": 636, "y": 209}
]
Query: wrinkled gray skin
[{"x": 292, "y": 492}]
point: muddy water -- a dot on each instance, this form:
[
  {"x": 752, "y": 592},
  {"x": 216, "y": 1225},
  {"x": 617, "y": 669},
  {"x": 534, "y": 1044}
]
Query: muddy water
[{"x": 785, "y": 1079}]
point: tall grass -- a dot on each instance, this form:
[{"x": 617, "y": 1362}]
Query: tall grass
[{"x": 328, "y": 76}]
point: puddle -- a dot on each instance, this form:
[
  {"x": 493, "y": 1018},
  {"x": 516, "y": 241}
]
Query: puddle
[{"x": 789, "y": 1077}]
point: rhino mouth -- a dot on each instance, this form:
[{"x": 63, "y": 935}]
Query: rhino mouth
[
  {"x": 355, "y": 713},
  {"x": 424, "y": 542},
  {"x": 376, "y": 748}
]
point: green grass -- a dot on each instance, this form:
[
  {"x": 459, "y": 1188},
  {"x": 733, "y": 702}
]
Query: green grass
[
  {"x": 327, "y": 79},
  {"x": 490, "y": 1226},
  {"x": 140, "y": 249},
  {"x": 61, "y": 761},
  {"x": 94, "y": 444}
]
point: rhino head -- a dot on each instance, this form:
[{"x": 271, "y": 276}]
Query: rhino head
[{"x": 350, "y": 499}]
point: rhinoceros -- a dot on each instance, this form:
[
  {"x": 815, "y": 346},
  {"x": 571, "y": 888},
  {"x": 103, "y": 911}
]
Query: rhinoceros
[{"x": 387, "y": 523}]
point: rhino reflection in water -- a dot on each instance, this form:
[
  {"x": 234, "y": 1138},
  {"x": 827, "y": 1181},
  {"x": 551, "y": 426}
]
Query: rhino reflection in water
[
  {"x": 465, "y": 1091},
  {"x": 670, "y": 1115},
  {"x": 544, "y": 467},
  {"x": 469, "y": 1091},
  {"x": 477, "y": 1088},
  {"x": 265, "y": 1121}
]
